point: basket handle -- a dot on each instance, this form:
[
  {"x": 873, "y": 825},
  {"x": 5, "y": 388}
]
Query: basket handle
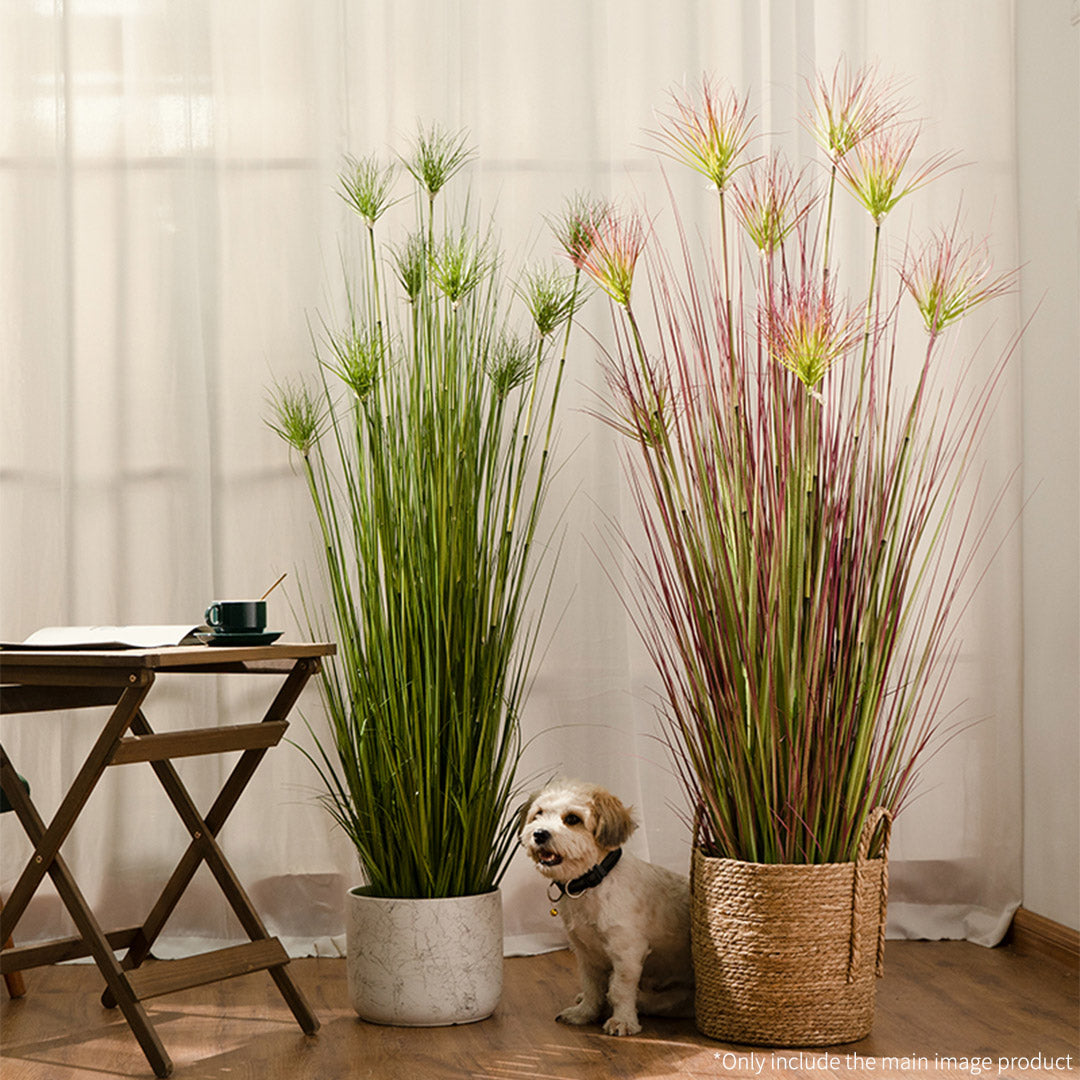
[{"x": 879, "y": 815}]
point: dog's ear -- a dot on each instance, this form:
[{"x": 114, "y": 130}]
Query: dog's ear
[{"x": 613, "y": 822}]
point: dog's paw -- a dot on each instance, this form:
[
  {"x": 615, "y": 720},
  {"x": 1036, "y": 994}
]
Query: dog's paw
[
  {"x": 618, "y": 1025},
  {"x": 578, "y": 1014}
]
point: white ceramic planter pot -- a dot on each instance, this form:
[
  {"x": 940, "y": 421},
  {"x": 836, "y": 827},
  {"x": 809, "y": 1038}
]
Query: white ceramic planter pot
[{"x": 424, "y": 963}]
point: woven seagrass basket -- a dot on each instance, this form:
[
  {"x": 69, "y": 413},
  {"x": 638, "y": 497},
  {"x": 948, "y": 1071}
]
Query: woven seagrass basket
[{"x": 789, "y": 955}]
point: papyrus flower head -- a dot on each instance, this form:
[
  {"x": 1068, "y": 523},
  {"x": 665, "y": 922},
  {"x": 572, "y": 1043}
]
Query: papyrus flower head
[
  {"x": 809, "y": 330},
  {"x": 876, "y": 171},
  {"x": 459, "y": 264},
  {"x": 357, "y": 359},
  {"x": 617, "y": 243},
  {"x": 365, "y": 185},
  {"x": 710, "y": 134},
  {"x": 297, "y": 414},
  {"x": 576, "y": 227},
  {"x": 437, "y": 156},
  {"x": 949, "y": 276},
  {"x": 849, "y": 107},
  {"x": 509, "y": 364},
  {"x": 769, "y": 202},
  {"x": 410, "y": 260},
  {"x": 550, "y": 297}
]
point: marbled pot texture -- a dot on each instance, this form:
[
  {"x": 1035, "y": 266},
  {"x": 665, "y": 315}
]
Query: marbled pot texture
[{"x": 424, "y": 963}]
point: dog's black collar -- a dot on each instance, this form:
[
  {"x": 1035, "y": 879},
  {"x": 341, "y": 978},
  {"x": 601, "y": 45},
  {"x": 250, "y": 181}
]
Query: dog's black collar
[{"x": 592, "y": 877}]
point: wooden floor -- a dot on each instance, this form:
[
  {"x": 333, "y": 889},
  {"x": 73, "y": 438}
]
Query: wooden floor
[{"x": 938, "y": 1000}]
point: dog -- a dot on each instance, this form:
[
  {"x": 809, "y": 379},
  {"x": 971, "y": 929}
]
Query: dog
[{"x": 628, "y": 921}]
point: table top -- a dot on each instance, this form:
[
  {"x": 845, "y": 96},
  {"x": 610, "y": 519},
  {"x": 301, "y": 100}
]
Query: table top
[{"x": 162, "y": 658}]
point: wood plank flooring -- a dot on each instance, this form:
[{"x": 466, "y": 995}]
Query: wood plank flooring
[{"x": 940, "y": 1005}]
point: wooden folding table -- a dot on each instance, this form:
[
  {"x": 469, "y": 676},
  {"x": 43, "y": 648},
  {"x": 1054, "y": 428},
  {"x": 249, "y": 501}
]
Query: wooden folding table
[{"x": 36, "y": 681}]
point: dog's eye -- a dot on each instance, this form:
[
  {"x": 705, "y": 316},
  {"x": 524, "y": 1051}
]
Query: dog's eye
[{"x": 571, "y": 819}]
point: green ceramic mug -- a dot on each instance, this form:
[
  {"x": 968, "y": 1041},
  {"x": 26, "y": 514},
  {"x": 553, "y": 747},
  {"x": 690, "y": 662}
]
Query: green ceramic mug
[{"x": 237, "y": 616}]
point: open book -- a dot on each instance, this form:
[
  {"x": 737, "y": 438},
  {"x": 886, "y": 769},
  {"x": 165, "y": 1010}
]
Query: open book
[{"x": 107, "y": 637}]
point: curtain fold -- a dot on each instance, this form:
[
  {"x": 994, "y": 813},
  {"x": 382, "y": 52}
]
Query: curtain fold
[{"x": 166, "y": 195}]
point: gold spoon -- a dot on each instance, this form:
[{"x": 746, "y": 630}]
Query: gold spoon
[{"x": 274, "y": 586}]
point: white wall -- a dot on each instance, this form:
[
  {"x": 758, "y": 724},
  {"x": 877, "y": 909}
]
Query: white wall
[{"x": 1048, "y": 135}]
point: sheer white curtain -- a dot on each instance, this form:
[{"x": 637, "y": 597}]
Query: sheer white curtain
[{"x": 166, "y": 190}]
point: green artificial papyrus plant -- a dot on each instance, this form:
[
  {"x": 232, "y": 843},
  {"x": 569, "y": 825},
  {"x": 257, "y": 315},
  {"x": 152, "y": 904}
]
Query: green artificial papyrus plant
[
  {"x": 425, "y": 441},
  {"x": 806, "y": 500}
]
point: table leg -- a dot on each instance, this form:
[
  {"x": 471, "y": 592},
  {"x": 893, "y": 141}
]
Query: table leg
[
  {"x": 91, "y": 932},
  {"x": 204, "y": 847},
  {"x": 48, "y": 840},
  {"x": 16, "y": 986},
  {"x": 109, "y": 966}
]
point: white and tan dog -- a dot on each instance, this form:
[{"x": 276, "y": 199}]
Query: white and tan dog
[{"x": 628, "y": 920}]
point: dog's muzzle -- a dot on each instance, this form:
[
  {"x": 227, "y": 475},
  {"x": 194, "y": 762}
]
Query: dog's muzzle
[{"x": 544, "y": 855}]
